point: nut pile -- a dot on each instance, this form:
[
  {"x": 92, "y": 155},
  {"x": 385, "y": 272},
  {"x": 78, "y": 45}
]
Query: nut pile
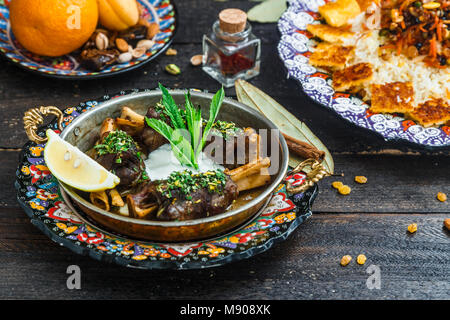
[{"x": 108, "y": 47}]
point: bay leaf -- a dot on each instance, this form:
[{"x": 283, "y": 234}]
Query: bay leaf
[
  {"x": 283, "y": 119},
  {"x": 268, "y": 11}
]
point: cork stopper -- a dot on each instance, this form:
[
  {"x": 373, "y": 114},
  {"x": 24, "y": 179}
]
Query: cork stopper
[{"x": 232, "y": 20}]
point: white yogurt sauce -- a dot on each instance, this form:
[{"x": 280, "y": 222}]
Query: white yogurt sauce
[{"x": 162, "y": 162}]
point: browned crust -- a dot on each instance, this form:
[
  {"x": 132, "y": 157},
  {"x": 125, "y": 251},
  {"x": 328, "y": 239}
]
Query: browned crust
[
  {"x": 394, "y": 97},
  {"x": 352, "y": 77},
  {"x": 434, "y": 112},
  {"x": 330, "y": 55},
  {"x": 329, "y": 33}
]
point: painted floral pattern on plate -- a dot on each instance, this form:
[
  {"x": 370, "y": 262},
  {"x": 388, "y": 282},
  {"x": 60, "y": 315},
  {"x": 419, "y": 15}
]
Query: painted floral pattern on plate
[
  {"x": 39, "y": 195},
  {"x": 294, "y": 49},
  {"x": 67, "y": 66}
]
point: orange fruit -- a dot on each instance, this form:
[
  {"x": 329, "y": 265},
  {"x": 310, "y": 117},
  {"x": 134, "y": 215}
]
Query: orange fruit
[
  {"x": 118, "y": 14},
  {"x": 53, "y": 27}
]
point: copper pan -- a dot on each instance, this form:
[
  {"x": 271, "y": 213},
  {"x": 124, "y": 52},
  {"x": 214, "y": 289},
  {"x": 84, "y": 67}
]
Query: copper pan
[{"x": 83, "y": 133}]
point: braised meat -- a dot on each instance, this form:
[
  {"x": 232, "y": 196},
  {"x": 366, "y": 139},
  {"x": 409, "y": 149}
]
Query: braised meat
[
  {"x": 150, "y": 138},
  {"x": 203, "y": 204},
  {"x": 177, "y": 203},
  {"x": 237, "y": 149},
  {"x": 126, "y": 165},
  {"x": 119, "y": 154}
]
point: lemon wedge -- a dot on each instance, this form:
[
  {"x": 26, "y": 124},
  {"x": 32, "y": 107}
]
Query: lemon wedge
[{"x": 73, "y": 167}]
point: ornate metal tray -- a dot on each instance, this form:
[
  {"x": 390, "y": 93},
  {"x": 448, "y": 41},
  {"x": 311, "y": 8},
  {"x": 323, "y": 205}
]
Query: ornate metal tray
[
  {"x": 294, "y": 49},
  {"x": 39, "y": 194}
]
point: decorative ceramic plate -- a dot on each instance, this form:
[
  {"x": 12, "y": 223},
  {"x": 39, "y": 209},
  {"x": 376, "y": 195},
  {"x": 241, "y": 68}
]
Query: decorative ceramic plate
[
  {"x": 294, "y": 49},
  {"x": 67, "y": 67},
  {"x": 39, "y": 194}
]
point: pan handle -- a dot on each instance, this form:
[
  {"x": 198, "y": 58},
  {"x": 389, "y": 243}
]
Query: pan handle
[
  {"x": 34, "y": 117},
  {"x": 317, "y": 172}
]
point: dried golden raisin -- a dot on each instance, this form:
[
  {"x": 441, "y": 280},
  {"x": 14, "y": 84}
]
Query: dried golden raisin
[
  {"x": 345, "y": 260},
  {"x": 447, "y": 223},
  {"x": 337, "y": 184},
  {"x": 361, "y": 259},
  {"x": 344, "y": 190},
  {"x": 441, "y": 196},
  {"x": 171, "y": 52},
  {"x": 412, "y": 227},
  {"x": 360, "y": 179}
]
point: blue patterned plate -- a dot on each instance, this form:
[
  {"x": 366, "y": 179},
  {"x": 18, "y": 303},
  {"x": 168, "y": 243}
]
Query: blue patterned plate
[
  {"x": 39, "y": 195},
  {"x": 67, "y": 67},
  {"x": 294, "y": 49}
]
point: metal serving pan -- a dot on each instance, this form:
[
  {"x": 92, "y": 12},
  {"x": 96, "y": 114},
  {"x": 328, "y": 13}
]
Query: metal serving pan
[{"x": 83, "y": 132}]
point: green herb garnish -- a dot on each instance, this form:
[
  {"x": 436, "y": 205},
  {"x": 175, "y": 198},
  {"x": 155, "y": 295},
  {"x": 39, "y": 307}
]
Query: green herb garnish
[
  {"x": 185, "y": 135},
  {"x": 187, "y": 182},
  {"x": 115, "y": 142},
  {"x": 225, "y": 128}
]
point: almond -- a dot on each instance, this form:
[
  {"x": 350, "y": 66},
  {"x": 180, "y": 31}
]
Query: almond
[
  {"x": 152, "y": 30},
  {"x": 122, "y": 45},
  {"x": 197, "y": 60}
]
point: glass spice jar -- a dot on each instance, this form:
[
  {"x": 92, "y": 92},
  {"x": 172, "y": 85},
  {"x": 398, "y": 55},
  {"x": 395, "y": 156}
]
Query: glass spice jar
[{"x": 231, "y": 51}]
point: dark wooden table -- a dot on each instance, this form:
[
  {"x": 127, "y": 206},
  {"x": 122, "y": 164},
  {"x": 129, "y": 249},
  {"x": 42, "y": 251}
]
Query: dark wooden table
[{"x": 373, "y": 219}]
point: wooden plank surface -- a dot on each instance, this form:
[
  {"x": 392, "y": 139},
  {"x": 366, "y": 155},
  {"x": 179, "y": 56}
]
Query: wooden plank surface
[
  {"x": 401, "y": 189},
  {"x": 306, "y": 266}
]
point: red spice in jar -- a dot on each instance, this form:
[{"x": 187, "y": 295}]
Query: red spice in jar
[{"x": 234, "y": 63}]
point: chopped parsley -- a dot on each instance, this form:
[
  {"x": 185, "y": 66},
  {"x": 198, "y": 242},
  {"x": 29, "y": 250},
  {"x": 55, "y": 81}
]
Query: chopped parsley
[
  {"x": 116, "y": 142},
  {"x": 187, "y": 182},
  {"x": 159, "y": 108},
  {"x": 144, "y": 177},
  {"x": 226, "y": 129}
]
